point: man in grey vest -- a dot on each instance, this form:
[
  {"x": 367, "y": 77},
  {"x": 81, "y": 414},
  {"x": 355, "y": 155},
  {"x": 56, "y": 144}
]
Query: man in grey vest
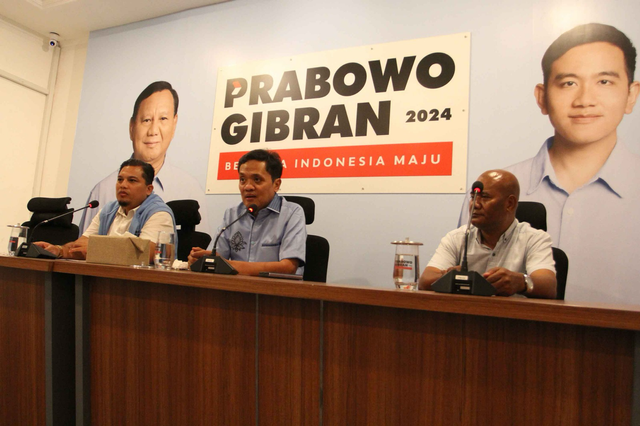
[{"x": 137, "y": 210}]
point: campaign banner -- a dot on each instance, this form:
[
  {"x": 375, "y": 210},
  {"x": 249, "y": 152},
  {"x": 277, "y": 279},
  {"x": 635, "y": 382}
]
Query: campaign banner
[{"x": 387, "y": 118}]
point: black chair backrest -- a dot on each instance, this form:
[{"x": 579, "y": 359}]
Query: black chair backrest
[
  {"x": 187, "y": 215},
  {"x": 53, "y": 234},
  {"x": 307, "y": 204},
  {"x": 59, "y": 231},
  {"x": 536, "y": 215},
  {"x": 562, "y": 270},
  {"x": 532, "y": 212},
  {"x": 317, "y": 251},
  {"x": 317, "y": 254}
]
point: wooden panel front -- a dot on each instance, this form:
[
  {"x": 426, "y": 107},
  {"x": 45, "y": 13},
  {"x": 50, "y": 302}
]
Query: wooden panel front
[
  {"x": 387, "y": 366},
  {"x": 167, "y": 355},
  {"x": 22, "y": 351},
  {"x": 289, "y": 361}
]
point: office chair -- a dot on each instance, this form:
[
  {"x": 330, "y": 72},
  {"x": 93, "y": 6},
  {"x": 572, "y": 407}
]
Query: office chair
[
  {"x": 187, "y": 215},
  {"x": 536, "y": 215},
  {"x": 532, "y": 212},
  {"x": 317, "y": 251},
  {"x": 562, "y": 270},
  {"x": 59, "y": 231}
]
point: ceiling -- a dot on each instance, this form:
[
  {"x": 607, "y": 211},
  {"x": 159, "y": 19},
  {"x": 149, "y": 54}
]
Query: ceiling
[{"x": 74, "y": 19}]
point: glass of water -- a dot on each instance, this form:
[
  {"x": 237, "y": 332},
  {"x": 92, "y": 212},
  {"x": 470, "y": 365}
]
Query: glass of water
[
  {"x": 165, "y": 250},
  {"x": 17, "y": 237},
  {"x": 406, "y": 266}
]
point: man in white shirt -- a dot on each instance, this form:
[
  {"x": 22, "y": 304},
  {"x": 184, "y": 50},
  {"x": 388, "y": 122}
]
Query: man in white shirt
[
  {"x": 514, "y": 257},
  {"x": 137, "y": 211},
  {"x": 151, "y": 129}
]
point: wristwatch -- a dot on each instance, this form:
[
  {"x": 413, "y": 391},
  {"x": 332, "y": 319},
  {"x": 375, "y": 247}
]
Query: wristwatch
[{"x": 528, "y": 283}]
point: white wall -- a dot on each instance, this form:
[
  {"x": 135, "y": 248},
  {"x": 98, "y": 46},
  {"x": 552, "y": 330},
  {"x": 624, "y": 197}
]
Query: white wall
[
  {"x": 186, "y": 49},
  {"x": 64, "y": 114},
  {"x": 24, "y": 75},
  {"x": 40, "y": 92}
]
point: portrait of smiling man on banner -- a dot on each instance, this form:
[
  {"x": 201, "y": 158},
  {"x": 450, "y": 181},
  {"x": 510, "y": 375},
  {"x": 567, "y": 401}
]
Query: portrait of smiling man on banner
[
  {"x": 584, "y": 174},
  {"x": 151, "y": 129}
]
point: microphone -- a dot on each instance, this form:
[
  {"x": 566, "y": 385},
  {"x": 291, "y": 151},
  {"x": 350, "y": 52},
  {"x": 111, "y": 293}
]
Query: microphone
[
  {"x": 476, "y": 188},
  {"x": 92, "y": 205},
  {"x": 251, "y": 209},
  {"x": 465, "y": 281},
  {"x": 216, "y": 264}
]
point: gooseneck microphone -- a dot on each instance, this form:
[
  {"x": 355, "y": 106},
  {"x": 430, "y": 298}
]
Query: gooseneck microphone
[
  {"x": 216, "y": 264},
  {"x": 251, "y": 209},
  {"x": 465, "y": 281},
  {"x": 92, "y": 205},
  {"x": 476, "y": 189}
]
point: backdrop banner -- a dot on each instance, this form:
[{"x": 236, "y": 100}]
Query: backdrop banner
[{"x": 387, "y": 118}]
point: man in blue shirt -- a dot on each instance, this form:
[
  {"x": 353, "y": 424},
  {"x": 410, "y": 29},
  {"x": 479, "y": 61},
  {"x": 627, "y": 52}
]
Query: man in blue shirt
[
  {"x": 584, "y": 175},
  {"x": 272, "y": 239}
]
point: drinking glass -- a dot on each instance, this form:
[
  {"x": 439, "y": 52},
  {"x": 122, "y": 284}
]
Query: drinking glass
[
  {"x": 17, "y": 237},
  {"x": 165, "y": 250},
  {"x": 406, "y": 267}
]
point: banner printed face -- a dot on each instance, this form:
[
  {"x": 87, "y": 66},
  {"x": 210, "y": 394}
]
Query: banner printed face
[{"x": 388, "y": 118}]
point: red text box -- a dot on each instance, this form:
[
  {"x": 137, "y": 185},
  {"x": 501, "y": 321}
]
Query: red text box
[{"x": 411, "y": 159}]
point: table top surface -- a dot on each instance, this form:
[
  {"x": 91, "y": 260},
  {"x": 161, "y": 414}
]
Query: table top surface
[{"x": 558, "y": 311}]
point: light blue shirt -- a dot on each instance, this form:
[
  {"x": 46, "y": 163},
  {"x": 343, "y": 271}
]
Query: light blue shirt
[
  {"x": 171, "y": 183},
  {"x": 277, "y": 232},
  {"x": 595, "y": 225}
]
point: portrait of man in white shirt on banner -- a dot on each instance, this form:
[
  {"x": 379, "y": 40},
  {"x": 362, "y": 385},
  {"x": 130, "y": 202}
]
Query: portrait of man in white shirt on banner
[{"x": 151, "y": 129}]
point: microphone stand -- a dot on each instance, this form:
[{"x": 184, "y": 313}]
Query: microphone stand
[
  {"x": 216, "y": 264},
  {"x": 464, "y": 267},
  {"x": 465, "y": 281},
  {"x": 29, "y": 250}
]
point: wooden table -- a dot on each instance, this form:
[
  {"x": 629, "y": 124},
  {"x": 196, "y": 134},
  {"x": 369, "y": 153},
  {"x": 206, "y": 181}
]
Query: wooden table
[
  {"x": 37, "y": 339},
  {"x": 181, "y": 348}
]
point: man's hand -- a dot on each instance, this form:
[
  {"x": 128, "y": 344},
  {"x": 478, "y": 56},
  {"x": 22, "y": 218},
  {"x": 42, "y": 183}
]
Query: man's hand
[
  {"x": 431, "y": 275},
  {"x": 78, "y": 248},
  {"x": 505, "y": 282},
  {"x": 285, "y": 266},
  {"x": 51, "y": 248},
  {"x": 196, "y": 253},
  {"x": 457, "y": 268}
]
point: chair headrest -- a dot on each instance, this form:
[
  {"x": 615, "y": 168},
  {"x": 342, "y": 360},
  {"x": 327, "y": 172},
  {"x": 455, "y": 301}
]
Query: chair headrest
[
  {"x": 186, "y": 212},
  {"x": 532, "y": 212},
  {"x": 43, "y": 204},
  {"x": 307, "y": 204}
]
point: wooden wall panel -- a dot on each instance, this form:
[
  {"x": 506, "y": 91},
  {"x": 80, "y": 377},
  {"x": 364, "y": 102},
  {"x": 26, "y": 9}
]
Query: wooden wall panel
[
  {"x": 289, "y": 361},
  {"x": 195, "y": 351},
  {"x": 22, "y": 351},
  {"x": 166, "y": 355},
  {"x": 388, "y": 366}
]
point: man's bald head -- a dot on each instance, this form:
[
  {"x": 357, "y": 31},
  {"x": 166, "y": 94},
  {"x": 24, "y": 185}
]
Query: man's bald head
[
  {"x": 503, "y": 180},
  {"x": 496, "y": 205}
]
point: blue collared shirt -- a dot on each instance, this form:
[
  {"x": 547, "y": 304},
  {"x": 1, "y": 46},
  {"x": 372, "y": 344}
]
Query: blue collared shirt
[
  {"x": 171, "y": 183},
  {"x": 594, "y": 225},
  {"x": 277, "y": 232}
]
